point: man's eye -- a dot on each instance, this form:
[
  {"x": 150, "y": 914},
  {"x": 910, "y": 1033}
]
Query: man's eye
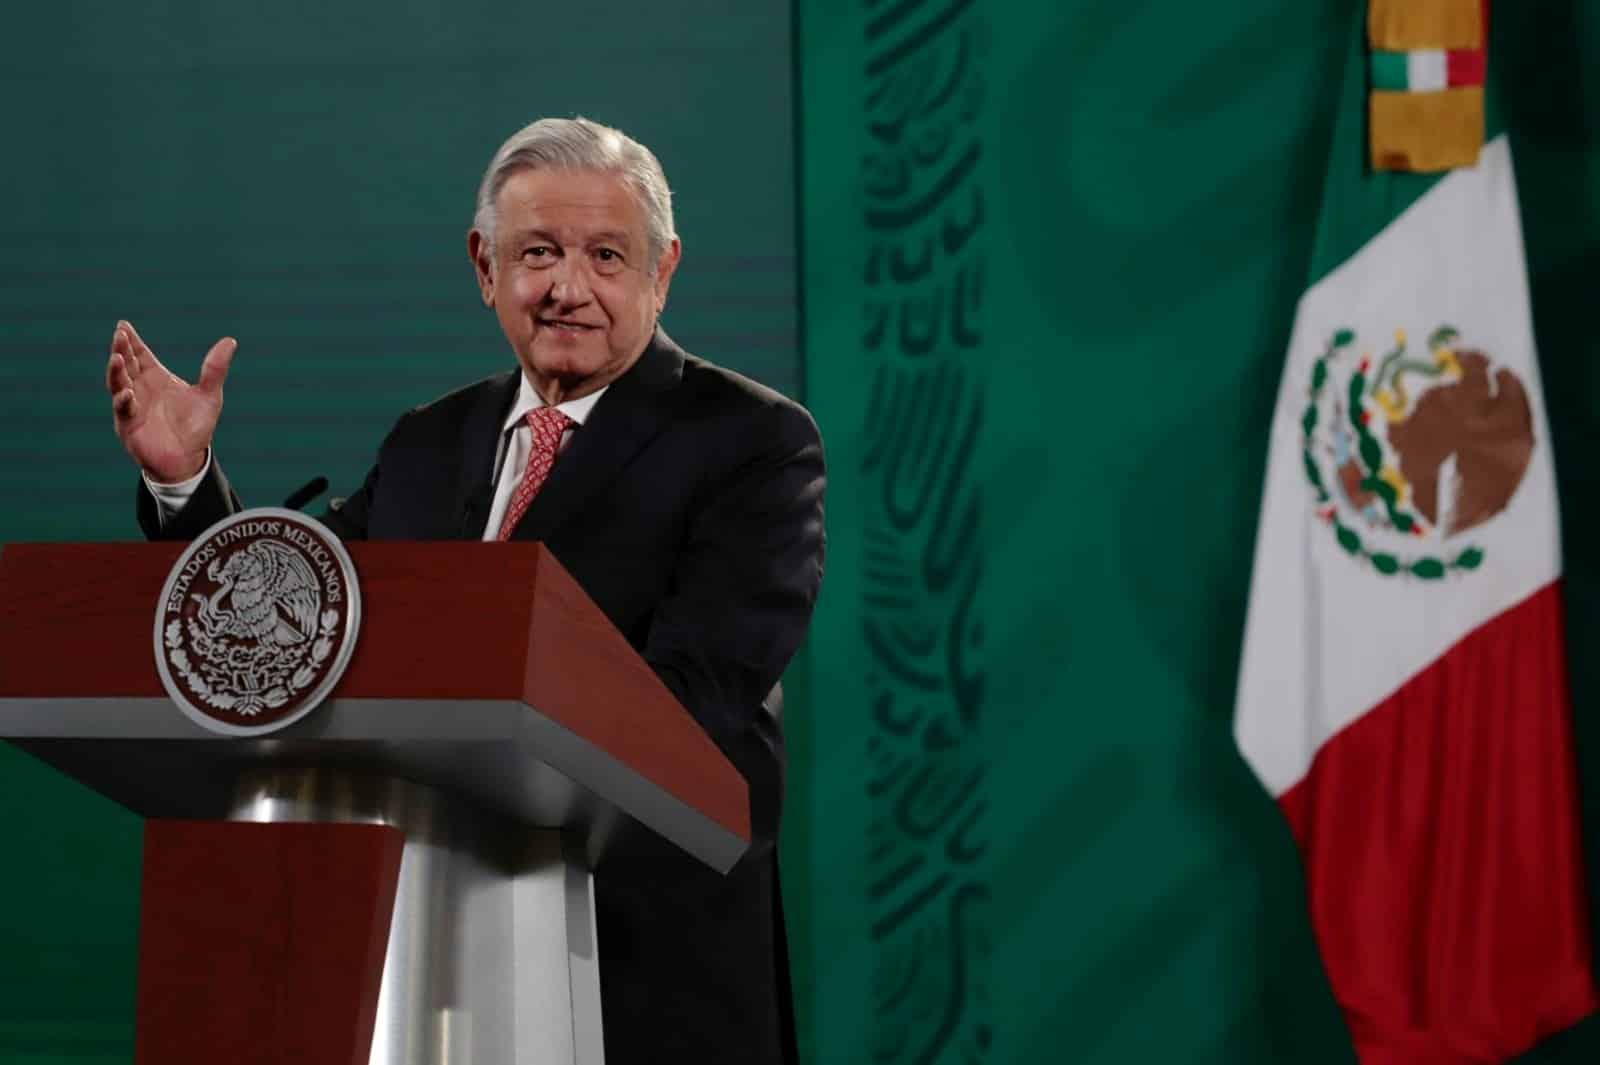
[
  {"x": 607, "y": 255},
  {"x": 538, "y": 251}
]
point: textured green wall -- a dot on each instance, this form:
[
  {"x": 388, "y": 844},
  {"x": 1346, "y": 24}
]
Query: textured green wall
[
  {"x": 301, "y": 176},
  {"x": 1114, "y": 887}
]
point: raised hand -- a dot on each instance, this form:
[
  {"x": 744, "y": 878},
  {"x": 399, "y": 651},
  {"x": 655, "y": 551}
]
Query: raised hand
[{"x": 164, "y": 423}]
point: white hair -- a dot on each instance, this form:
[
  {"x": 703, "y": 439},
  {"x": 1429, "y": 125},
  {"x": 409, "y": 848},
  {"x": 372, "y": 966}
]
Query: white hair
[{"x": 579, "y": 144}]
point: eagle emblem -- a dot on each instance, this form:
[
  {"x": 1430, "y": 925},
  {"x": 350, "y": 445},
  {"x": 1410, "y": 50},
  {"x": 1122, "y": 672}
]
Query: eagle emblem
[
  {"x": 257, "y": 621},
  {"x": 1407, "y": 454}
]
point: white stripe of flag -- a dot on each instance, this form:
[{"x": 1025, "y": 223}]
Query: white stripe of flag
[{"x": 1427, "y": 70}]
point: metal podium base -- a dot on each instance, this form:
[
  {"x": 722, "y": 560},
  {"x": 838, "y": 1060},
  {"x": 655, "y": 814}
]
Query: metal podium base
[{"x": 492, "y": 952}]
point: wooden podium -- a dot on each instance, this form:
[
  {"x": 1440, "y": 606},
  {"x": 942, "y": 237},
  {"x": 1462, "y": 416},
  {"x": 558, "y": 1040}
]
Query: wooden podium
[{"x": 402, "y": 876}]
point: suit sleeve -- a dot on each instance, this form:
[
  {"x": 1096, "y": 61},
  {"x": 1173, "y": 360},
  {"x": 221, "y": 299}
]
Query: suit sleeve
[
  {"x": 741, "y": 597},
  {"x": 213, "y": 500}
]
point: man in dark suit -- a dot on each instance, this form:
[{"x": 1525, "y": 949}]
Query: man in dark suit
[{"x": 685, "y": 499}]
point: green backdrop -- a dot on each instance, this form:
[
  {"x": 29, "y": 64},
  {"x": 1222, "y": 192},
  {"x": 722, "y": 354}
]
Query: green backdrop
[{"x": 1034, "y": 839}]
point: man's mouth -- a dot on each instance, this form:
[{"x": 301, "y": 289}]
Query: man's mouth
[{"x": 565, "y": 326}]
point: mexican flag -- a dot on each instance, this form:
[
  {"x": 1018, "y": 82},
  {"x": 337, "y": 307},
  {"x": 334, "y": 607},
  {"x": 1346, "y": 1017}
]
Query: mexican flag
[{"x": 1402, "y": 688}]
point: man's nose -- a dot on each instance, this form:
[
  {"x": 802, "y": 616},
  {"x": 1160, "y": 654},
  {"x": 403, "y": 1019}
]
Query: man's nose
[{"x": 568, "y": 284}]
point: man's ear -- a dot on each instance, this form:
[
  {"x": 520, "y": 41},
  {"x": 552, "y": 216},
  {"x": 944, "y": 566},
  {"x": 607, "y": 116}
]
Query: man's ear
[
  {"x": 482, "y": 255},
  {"x": 664, "y": 268}
]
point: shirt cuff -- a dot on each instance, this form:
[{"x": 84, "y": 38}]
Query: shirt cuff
[{"x": 171, "y": 498}]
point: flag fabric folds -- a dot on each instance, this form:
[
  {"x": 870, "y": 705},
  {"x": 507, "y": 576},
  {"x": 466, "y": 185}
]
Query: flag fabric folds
[{"x": 1402, "y": 688}]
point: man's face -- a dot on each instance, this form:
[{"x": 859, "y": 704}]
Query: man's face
[{"x": 569, "y": 278}]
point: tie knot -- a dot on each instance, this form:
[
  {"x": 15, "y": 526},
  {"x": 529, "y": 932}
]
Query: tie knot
[{"x": 548, "y": 424}]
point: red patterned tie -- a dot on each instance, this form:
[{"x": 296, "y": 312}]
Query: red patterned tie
[{"x": 546, "y": 424}]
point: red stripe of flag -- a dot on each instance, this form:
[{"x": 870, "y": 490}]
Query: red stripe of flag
[
  {"x": 1440, "y": 839},
  {"x": 1465, "y": 68}
]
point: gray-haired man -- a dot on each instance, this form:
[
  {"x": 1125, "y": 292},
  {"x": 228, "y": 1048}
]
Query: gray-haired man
[{"x": 685, "y": 499}]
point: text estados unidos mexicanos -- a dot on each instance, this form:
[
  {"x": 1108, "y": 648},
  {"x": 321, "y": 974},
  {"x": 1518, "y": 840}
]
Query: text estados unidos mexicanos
[{"x": 310, "y": 546}]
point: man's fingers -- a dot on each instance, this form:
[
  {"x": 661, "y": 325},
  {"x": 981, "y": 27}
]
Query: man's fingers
[
  {"x": 143, "y": 357},
  {"x": 120, "y": 345},
  {"x": 124, "y": 405},
  {"x": 119, "y": 374},
  {"x": 116, "y": 373},
  {"x": 215, "y": 369}
]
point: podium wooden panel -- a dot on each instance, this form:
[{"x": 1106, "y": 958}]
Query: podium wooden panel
[{"x": 294, "y": 920}]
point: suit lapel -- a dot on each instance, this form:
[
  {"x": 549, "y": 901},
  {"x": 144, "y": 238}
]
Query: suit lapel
[
  {"x": 479, "y": 439},
  {"x": 633, "y": 411}
]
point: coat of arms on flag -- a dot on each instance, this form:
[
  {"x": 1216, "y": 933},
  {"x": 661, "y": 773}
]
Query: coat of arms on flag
[{"x": 1406, "y": 454}]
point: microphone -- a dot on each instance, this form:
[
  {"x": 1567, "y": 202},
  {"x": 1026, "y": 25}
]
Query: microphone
[{"x": 306, "y": 493}]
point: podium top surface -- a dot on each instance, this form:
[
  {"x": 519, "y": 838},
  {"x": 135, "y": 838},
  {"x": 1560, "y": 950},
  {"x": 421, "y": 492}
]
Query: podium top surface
[{"x": 481, "y": 668}]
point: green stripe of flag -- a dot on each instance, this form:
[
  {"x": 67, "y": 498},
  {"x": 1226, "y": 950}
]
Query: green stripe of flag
[{"x": 1389, "y": 71}]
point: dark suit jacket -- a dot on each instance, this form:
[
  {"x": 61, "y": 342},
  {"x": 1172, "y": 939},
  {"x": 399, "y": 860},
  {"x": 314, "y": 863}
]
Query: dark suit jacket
[{"x": 689, "y": 507}]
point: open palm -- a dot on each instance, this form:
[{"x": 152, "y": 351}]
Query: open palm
[{"x": 163, "y": 421}]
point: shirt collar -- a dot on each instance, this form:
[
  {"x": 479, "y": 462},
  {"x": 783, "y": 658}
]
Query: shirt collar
[{"x": 529, "y": 400}]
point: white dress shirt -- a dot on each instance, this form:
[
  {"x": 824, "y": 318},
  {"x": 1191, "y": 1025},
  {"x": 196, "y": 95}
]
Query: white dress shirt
[{"x": 510, "y": 459}]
